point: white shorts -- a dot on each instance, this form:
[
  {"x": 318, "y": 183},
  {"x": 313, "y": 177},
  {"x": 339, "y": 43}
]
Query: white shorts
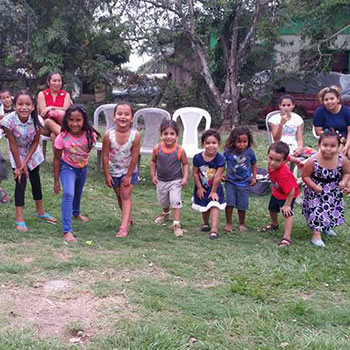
[{"x": 169, "y": 194}]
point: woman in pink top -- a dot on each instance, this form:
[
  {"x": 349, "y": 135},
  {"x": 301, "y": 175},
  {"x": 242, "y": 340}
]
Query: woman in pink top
[
  {"x": 52, "y": 104},
  {"x": 72, "y": 150}
]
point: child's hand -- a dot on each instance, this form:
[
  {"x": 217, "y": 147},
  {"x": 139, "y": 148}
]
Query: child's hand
[
  {"x": 57, "y": 187},
  {"x": 285, "y": 116},
  {"x": 214, "y": 196},
  {"x": 223, "y": 177},
  {"x": 287, "y": 211},
  {"x": 109, "y": 181},
  {"x": 25, "y": 170},
  {"x": 318, "y": 189},
  {"x": 200, "y": 192},
  {"x": 183, "y": 182},
  {"x": 342, "y": 185},
  {"x": 17, "y": 174},
  {"x": 298, "y": 152},
  {"x": 126, "y": 180},
  {"x": 154, "y": 180},
  {"x": 252, "y": 181}
]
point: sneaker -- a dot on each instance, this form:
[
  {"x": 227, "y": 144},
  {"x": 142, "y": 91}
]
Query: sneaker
[
  {"x": 318, "y": 243},
  {"x": 330, "y": 233},
  {"x": 162, "y": 217},
  {"x": 178, "y": 232}
]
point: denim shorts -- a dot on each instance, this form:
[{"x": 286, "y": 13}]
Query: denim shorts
[
  {"x": 118, "y": 180},
  {"x": 275, "y": 204},
  {"x": 237, "y": 196}
]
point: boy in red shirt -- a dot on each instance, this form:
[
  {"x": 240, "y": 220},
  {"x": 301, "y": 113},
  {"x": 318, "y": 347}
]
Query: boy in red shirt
[{"x": 284, "y": 190}]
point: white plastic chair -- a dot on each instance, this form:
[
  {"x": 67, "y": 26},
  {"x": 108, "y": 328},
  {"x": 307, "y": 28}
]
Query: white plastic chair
[
  {"x": 269, "y": 133},
  {"x": 108, "y": 111},
  {"x": 152, "y": 118},
  {"x": 314, "y": 132},
  {"x": 191, "y": 117}
]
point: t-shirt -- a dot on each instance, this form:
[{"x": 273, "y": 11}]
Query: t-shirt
[
  {"x": 338, "y": 121},
  {"x": 75, "y": 149},
  {"x": 169, "y": 167},
  {"x": 24, "y": 134},
  {"x": 239, "y": 166},
  {"x": 289, "y": 130},
  {"x": 283, "y": 181},
  {"x": 207, "y": 170}
]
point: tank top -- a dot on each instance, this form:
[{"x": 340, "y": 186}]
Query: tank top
[
  {"x": 120, "y": 155},
  {"x": 168, "y": 163},
  {"x": 59, "y": 102}
]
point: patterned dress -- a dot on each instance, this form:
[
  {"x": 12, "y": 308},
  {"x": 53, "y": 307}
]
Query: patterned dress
[{"x": 324, "y": 210}]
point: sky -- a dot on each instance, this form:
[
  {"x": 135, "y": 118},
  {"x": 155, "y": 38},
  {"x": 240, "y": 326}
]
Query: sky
[{"x": 136, "y": 61}]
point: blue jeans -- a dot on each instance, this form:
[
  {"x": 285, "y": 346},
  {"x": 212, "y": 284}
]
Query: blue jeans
[{"x": 72, "y": 180}]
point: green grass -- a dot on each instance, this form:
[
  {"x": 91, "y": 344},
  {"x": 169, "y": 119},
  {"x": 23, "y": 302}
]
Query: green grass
[{"x": 153, "y": 291}]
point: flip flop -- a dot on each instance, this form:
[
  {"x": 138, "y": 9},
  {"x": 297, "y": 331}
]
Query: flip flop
[
  {"x": 205, "y": 228},
  {"x": 284, "y": 242},
  {"x": 213, "y": 235},
  {"x": 21, "y": 226},
  {"x": 5, "y": 198},
  {"x": 269, "y": 227},
  {"x": 48, "y": 218}
]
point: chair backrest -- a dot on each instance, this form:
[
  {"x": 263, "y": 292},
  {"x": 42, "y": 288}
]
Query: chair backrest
[
  {"x": 268, "y": 117},
  {"x": 152, "y": 118},
  {"x": 314, "y": 132},
  {"x": 108, "y": 111},
  {"x": 191, "y": 117}
]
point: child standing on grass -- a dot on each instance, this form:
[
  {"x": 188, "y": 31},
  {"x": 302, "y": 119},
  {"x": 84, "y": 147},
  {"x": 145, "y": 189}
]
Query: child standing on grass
[
  {"x": 208, "y": 195},
  {"x": 326, "y": 175},
  {"x": 22, "y": 129},
  {"x": 284, "y": 191},
  {"x": 169, "y": 172},
  {"x": 120, "y": 152},
  {"x": 241, "y": 173},
  {"x": 72, "y": 150}
]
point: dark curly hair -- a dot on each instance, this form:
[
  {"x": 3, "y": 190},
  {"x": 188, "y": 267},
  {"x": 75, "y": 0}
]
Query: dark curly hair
[
  {"x": 169, "y": 124},
  {"x": 210, "y": 132},
  {"x": 230, "y": 143},
  {"x": 330, "y": 133}
]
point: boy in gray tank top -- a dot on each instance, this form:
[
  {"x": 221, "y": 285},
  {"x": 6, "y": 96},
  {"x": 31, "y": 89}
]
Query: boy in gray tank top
[{"x": 169, "y": 171}]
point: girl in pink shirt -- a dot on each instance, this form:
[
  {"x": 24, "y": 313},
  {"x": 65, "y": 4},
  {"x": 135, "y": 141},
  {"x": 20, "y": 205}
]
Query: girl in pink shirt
[{"x": 72, "y": 150}]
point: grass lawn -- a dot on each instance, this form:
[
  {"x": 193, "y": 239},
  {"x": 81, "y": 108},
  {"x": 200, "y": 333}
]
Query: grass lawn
[{"x": 153, "y": 291}]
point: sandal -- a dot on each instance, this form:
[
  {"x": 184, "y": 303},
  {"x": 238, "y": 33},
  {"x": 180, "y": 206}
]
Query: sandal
[
  {"x": 123, "y": 232},
  {"x": 205, "y": 228},
  {"x": 213, "y": 235},
  {"x": 21, "y": 226},
  {"x": 284, "y": 242},
  {"x": 269, "y": 227},
  {"x": 5, "y": 198},
  {"x": 48, "y": 218}
]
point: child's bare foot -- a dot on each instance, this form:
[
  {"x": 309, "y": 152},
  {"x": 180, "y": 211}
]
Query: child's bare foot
[
  {"x": 228, "y": 228},
  {"x": 21, "y": 226},
  {"x": 82, "y": 218},
  {"x": 242, "y": 228},
  {"x": 69, "y": 237},
  {"x": 123, "y": 232}
]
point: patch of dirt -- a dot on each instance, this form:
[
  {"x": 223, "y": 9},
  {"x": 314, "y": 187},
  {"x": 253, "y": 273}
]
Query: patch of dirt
[{"x": 51, "y": 308}]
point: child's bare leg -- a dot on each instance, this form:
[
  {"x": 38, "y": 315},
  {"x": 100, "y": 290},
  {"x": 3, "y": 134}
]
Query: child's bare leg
[
  {"x": 316, "y": 235},
  {"x": 176, "y": 213},
  {"x": 288, "y": 225},
  {"x": 214, "y": 213},
  {"x": 241, "y": 219},
  {"x": 39, "y": 207},
  {"x": 126, "y": 200},
  {"x": 205, "y": 217},
  {"x": 228, "y": 213},
  {"x": 19, "y": 214},
  {"x": 274, "y": 218}
]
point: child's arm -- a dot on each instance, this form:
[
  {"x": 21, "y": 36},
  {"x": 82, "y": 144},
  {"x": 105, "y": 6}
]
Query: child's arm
[
  {"x": 287, "y": 209},
  {"x": 185, "y": 168},
  {"x": 197, "y": 181},
  {"x": 254, "y": 171},
  {"x": 56, "y": 169},
  {"x": 135, "y": 152},
  {"x": 14, "y": 150},
  {"x": 306, "y": 176},
  {"x": 216, "y": 183},
  {"x": 345, "y": 174},
  {"x": 300, "y": 141},
  {"x": 105, "y": 162},
  {"x": 154, "y": 168}
]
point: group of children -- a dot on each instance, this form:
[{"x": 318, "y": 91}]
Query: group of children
[{"x": 325, "y": 174}]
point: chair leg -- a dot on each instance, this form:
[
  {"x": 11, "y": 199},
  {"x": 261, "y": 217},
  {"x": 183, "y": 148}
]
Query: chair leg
[
  {"x": 44, "y": 148},
  {"x": 99, "y": 160},
  {"x": 138, "y": 164}
]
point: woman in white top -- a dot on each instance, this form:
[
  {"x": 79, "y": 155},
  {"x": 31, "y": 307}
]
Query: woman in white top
[{"x": 287, "y": 126}]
